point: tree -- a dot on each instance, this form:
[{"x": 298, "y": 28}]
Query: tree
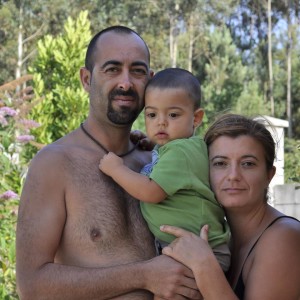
[
  {"x": 21, "y": 23},
  {"x": 270, "y": 60},
  {"x": 224, "y": 73},
  {"x": 56, "y": 77}
]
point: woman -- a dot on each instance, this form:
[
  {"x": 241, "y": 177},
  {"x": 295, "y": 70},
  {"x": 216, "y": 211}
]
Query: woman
[{"x": 265, "y": 244}]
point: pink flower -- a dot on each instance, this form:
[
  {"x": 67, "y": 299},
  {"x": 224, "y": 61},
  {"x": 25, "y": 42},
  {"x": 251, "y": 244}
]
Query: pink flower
[
  {"x": 29, "y": 123},
  {"x": 3, "y": 121},
  {"x": 9, "y": 195},
  {"x": 25, "y": 138},
  {"x": 8, "y": 111}
]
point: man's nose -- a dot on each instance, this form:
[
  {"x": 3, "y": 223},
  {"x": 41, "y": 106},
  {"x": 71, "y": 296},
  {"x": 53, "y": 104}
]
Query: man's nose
[{"x": 125, "y": 82}]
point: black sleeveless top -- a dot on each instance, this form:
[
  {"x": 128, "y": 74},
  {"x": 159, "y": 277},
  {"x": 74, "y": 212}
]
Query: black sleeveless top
[{"x": 240, "y": 287}]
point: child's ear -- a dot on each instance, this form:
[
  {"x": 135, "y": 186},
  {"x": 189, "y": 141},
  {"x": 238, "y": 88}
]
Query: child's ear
[{"x": 198, "y": 117}]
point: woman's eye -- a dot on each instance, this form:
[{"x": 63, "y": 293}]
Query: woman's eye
[
  {"x": 219, "y": 164},
  {"x": 248, "y": 164}
]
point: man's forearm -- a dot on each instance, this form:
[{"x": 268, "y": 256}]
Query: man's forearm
[{"x": 54, "y": 281}]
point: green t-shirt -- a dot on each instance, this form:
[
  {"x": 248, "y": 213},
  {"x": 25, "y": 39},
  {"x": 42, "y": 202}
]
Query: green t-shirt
[{"x": 182, "y": 171}]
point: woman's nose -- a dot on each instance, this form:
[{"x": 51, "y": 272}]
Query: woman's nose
[{"x": 234, "y": 173}]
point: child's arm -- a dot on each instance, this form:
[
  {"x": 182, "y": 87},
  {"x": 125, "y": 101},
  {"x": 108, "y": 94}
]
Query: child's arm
[{"x": 137, "y": 185}]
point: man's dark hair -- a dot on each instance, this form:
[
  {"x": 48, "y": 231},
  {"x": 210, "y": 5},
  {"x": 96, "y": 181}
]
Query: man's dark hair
[
  {"x": 176, "y": 78},
  {"x": 89, "y": 57}
]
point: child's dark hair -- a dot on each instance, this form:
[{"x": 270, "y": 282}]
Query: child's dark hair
[{"x": 176, "y": 78}]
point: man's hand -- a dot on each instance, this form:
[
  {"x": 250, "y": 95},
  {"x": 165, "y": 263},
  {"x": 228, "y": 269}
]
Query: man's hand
[
  {"x": 169, "y": 279},
  {"x": 138, "y": 137}
]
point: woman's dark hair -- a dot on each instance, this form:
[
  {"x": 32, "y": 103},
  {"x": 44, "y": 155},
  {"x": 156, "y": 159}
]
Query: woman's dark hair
[{"x": 234, "y": 125}]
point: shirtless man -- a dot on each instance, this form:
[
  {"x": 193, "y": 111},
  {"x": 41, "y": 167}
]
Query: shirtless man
[{"x": 79, "y": 235}]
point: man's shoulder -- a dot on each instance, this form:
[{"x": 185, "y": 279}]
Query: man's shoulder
[{"x": 56, "y": 152}]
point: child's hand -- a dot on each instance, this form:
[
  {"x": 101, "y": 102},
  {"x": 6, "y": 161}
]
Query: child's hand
[{"x": 110, "y": 163}]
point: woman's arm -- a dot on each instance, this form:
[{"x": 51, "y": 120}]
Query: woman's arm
[{"x": 195, "y": 252}]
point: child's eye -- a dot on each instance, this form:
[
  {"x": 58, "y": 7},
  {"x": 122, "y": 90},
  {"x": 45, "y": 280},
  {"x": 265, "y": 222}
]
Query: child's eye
[
  {"x": 173, "y": 115},
  {"x": 151, "y": 115}
]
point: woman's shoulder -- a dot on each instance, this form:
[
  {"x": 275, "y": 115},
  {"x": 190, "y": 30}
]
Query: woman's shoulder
[
  {"x": 282, "y": 236},
  {"x": 274, "y": 270}
]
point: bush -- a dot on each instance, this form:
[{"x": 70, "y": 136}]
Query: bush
[
  {"x": 8, "y": 219},
  {"x": 291, "y": 161},
  {"x": 15, "y": 134}
]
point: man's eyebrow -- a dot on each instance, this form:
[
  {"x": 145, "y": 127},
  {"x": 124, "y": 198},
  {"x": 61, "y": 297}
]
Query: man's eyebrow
[
  {"x": 118, "y": 63},
  {"x": 139, "y": 63},
  {"x": 111, "y": 62}
]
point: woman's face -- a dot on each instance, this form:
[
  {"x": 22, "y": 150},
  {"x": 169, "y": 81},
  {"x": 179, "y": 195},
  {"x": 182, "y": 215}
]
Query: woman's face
[{"x": 238, "y": 172}]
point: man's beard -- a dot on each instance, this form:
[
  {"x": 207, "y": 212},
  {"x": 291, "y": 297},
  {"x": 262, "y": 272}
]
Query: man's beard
[{"x": 126, "y": 115}]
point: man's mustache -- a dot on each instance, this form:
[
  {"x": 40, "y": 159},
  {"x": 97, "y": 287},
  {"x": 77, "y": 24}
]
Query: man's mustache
[{"x": 119, "y": 92}]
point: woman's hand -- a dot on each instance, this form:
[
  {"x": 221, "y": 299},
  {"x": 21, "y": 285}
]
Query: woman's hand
[
  {"x": 188, "y": 248},
  {"x": 195, "y": 252}
]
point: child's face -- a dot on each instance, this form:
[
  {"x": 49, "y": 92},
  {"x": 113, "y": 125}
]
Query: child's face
[{"x": 169, "y": 115}]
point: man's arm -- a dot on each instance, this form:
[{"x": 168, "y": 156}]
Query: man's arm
[{"x": 137, "y": 185}]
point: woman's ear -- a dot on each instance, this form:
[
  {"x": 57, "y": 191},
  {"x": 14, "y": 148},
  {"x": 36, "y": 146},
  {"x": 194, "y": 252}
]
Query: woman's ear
[
  {"x": 85, "y": 78},
  {"x": 271, "y": 173},
  {"x": 198, "y": 117}
]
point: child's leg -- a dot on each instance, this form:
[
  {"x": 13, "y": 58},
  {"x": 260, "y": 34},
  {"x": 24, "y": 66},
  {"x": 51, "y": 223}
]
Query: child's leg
[{"x": 223, "y": 256}]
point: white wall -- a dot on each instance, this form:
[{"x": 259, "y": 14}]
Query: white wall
[{"x": 276, "y": 127}]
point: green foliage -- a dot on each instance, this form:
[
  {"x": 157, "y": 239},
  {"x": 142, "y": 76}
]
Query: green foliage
[
  {"x": 224, "y": 73},
  {"x": 8, "y": 49},
  {"x": 8, "y": 219},
  {"x": 56, "y": 77},
  {"x": 291, "y": 160},
  {"x": 15, "y": 133},
  {"x": 15, "y": 137},
  {"x": 139, "y": 123},
  {"x": 251, "y": 102}
]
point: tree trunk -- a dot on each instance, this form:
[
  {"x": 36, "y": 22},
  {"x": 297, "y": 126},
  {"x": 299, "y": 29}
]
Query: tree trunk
[
  {"x": 173, "y": 41},
  {"x": 20, "y": 43},
  {"x": 191, "y": 42},
  {"x": 289, "y": 72},
  {"x": 270, "y": 58}
]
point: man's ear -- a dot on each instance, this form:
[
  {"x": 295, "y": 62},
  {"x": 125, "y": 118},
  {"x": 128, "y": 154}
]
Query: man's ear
[
  {"x": 198, "y": 117},
  {"x": 85, "y": 78},
  {"x": 151, "y": 73}
]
